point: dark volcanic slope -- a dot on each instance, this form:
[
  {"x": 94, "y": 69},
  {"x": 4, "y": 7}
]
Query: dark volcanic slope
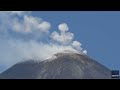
[{"x": 65, "y": 66}]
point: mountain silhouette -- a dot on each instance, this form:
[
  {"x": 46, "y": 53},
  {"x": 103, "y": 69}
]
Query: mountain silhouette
[{"x": 60, "y": 66}]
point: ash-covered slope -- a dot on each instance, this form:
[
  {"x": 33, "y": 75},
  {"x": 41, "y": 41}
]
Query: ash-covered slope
[{"x": 61, "y": 66}]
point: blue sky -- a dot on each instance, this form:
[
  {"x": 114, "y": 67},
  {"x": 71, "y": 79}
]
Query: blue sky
[{"x": 98, "y": 31}]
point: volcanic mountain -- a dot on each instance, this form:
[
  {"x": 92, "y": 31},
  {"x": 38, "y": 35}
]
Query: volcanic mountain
[{"x": 61, "y": 66}]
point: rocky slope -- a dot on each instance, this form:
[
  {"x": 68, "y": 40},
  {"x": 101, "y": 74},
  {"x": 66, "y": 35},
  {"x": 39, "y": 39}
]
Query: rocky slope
[{"x": 60, "y": 66}]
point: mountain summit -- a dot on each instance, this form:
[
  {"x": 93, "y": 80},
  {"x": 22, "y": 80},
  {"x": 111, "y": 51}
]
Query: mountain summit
[{"x": 64, "y": 65}]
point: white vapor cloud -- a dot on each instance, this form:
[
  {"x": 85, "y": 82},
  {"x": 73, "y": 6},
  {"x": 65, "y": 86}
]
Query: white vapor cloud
[
  {"x": 77, "y": 45},
  {"x": 27, "y": 23},
  {"x": 64, "y": 37},
  {"x": 23, "y": 36},
  {"x": 63, "y": 27},
  {"x": 31, "y": 24},
  {"x": 84, "y": 51},
  {"x": 44, "y": 26},
  {"x": 14, "y": 51}
]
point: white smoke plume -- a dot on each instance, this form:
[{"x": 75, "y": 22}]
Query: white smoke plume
[
  {"x": 77, "y": 45},
  {"x": 63, "y": 27},
  {"x": 84, "y": 51},
  {"x": 22, "y": 37},
  {"x": 64, "y": 37}
]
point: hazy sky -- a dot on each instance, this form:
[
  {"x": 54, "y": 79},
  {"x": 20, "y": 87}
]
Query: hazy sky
[{"x": 99, "y": 33}]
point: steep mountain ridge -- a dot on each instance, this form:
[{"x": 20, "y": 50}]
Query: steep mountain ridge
[{"x": 60, "y": 66}]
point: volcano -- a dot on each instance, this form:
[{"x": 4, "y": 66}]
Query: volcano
[{"x": 60, "y": 66}]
